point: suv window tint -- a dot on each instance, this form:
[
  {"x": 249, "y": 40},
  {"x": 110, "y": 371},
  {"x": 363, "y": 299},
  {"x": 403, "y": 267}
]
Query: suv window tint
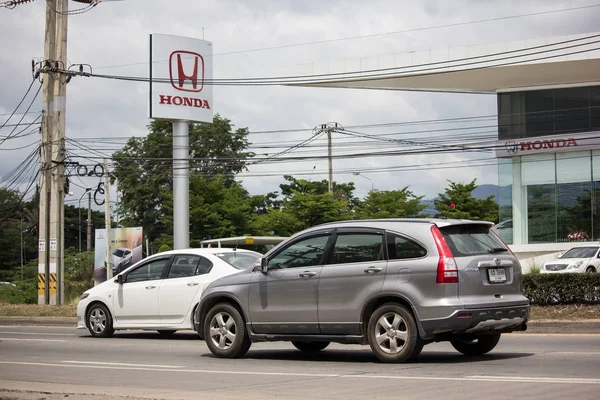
[
  {"x": 189, "y": 265},
  {"x": 303, "y": 253},
  {"x": 400, "y": 248},
  {"x": 150, "y": 271},
  {"x": 470, "y": 240},
  {"x": 357, "y": 247}
]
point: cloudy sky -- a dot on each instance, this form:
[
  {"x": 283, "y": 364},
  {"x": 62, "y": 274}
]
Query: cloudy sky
[{"x": 282, "y": 38}]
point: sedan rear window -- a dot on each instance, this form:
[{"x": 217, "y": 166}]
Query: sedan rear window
[
  {"x": 470, "y": 240},
  {"x": 239, "y": 259}
]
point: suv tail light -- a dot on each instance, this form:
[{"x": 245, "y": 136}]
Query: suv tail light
[{"x": 447, "y": 271}]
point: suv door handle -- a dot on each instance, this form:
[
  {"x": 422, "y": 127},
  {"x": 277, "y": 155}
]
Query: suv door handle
[
  {"x": 193, "y": 284},
  {"x": 372, "y": 270},
  {"x": 150, "y": 287},
  {"x": 307, "y": 274}
]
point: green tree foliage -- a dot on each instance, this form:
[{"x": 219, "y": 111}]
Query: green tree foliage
[
  {"x": 305, "y": 204},
  {"x": 466, "y": 206},
  {"x": 390, "y": 204},
  {"x": 144, "y": 169}
]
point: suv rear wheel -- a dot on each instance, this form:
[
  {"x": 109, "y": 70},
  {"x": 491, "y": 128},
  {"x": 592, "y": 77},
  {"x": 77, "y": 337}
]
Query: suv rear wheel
[
  {"x": 310, "y": 347},
  {"x": 393, "y": 335},
  {"x": 225, "y": 332},
  {"x": 476, "y": 346}
]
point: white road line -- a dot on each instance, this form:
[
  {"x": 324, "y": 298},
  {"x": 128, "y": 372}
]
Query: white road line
[
  {"x": 31, "y": 340},
  {"x": 474, "y": 378},
  {"x": 33, "y": 333},
  {"x": 123, "y": 364}
]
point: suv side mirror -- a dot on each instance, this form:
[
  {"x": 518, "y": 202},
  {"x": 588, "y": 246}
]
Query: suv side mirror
[
  {"x": 263, "y": 265},
  {"x": 119, "y": 279}
]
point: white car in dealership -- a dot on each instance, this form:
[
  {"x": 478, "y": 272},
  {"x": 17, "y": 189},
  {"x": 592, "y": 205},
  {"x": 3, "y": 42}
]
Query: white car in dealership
[
  {"x": 158, "y": 293},
  {"x": 576, "y": 259}
]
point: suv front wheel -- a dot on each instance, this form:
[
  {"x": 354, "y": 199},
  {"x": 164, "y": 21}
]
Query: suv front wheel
[
  {"x": 393, "y": 335},
  {"x": 225, "y": 332}
]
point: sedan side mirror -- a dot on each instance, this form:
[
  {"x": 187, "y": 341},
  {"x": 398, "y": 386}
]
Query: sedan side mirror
[
  {"x": 263, "y": 265},
  {"x": 119, "y": 279}
]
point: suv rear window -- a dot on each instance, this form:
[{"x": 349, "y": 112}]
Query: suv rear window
[{"x": 471, "y": 240}]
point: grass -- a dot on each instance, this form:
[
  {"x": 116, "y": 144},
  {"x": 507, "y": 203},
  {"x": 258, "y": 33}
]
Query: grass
[{"x": 565, "y": 312}]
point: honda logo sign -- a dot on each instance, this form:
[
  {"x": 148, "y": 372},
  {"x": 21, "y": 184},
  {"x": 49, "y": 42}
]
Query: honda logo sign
[
  {"x": 179, "y": 76},
  {"x": 179, "y": 67}
]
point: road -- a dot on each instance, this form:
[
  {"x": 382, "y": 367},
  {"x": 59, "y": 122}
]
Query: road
[{"x": 144, "y": 364}]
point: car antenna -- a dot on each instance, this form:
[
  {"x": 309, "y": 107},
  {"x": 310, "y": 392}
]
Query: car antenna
[{"x": 452, "y": 206}]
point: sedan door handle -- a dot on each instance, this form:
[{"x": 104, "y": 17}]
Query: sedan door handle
[
  {"x": 372, "y": 270},
  {"x": 193, "y": 284},
  {"x": 307, "y": 274},
  {"x": 150, "y": 287}
]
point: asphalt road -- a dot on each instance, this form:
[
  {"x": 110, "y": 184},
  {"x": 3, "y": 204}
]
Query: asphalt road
[{"x": 63, "y": 360}]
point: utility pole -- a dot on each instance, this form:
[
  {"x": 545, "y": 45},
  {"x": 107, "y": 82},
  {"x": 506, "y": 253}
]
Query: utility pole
[
  {"x": 109, "y": 273},
  {"x": 59, "y": 185},
  {"x": 329, "y": 127},
  {"x": 44, "y": 268},
  {"x": 89, "y": 223}
]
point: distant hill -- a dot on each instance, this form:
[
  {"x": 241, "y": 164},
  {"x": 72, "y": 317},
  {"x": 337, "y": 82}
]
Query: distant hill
[{"x": 482, "y": 192}]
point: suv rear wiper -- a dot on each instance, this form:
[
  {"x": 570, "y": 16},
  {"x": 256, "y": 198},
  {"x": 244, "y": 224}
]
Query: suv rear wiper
[{"x": 497, "y": 249}]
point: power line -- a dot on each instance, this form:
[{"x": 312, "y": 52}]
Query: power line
[
  {"x": 18, "y": 105},
  {"x": 376, "y": 34}
]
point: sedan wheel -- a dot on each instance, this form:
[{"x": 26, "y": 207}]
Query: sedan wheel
[
  {"x": 99, "y": 321},
  {"x": 225, "y": 332},
  {"x": 590, "y": 269}
]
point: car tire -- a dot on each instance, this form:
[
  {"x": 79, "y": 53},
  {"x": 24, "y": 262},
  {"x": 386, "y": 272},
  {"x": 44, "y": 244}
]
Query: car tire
[
  {"x": 99, "y": 321},
  {"x": 393, "y": 335},
  {"x": 590, "y": 269},
  {"x": 477, "y": 346},
  {"x": 166, "y": 332},
  {"x": 225, "y": 332},
  {"x": 310, "y": 347}
]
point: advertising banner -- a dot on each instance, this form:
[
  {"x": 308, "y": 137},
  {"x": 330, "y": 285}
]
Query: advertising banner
[
  {"x": 181, "y": 76},
  {"x": 126, "y": 245}
]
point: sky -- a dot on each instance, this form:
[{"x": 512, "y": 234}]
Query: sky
[{"x": 281, "y": 38}]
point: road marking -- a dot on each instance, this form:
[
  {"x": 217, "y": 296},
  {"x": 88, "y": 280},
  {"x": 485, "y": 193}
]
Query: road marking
[
  {"x": 33, "y": 333},
  {"x": 124, "y": 364},
  {"x": 473, "y": 378},
  {"x": 32, "y": 340}
]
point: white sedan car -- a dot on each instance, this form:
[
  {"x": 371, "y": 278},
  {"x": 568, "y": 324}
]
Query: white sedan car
[
  {"x": 160, "y": 292},
  {"x": 576, "y": 259}
]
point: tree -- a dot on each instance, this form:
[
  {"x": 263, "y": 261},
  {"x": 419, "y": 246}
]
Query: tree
[
  {"x": 466, "y": 206},
  {"x": 390, "y": 204},
  {"x": 143, "y": 169}
]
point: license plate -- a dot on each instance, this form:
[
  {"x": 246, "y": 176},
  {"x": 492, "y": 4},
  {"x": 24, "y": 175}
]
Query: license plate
[{"x": 496, "y": 275}]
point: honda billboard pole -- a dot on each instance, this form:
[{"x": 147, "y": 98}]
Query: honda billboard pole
[{"x": 179, "y": 67}]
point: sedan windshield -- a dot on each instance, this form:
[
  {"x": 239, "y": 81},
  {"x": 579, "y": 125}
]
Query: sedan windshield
[
  {"x": 239, "y": 259},
  {"x": 580, "y": 252},
  {"x": 118, "y": 253}
]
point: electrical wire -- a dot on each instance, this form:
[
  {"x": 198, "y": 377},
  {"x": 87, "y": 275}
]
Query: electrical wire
[
  {"x": 22, "y": 117},
  {"x": 18, "y": 105},
  {"x": 375, "y": 34}
]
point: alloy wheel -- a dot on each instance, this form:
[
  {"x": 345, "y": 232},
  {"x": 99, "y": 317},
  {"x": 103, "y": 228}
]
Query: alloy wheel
[
  {"x": 223, "y": 330},
  {"x": 391, "y": 333}
]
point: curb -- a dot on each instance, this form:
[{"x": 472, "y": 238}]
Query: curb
[
  {"x": 39, "y": 321},
  {"x": 543, "y": 326}
]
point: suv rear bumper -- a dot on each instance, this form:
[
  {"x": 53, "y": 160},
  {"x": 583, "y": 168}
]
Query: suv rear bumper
[{"x": 477, "y": 321}]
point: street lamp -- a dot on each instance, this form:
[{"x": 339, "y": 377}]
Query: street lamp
[
  {"x": 79, "y": 209},
  {"x": 369, "y": 179}
]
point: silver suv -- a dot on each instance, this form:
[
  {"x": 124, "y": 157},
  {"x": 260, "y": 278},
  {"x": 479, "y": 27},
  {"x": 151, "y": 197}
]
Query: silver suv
[{"x": 394, "y": 284}]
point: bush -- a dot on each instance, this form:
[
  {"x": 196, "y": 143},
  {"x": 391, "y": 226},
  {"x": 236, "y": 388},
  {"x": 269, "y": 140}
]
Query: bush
[{"x": 546, "y": 289}]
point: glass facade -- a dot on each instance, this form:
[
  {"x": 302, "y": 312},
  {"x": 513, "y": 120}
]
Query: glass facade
[
  {"x": 550, "y": 198},
  {"x": 548, "y": 112}
]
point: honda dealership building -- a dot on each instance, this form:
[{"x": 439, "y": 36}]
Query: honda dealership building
[{"x": 548, "y": 147}]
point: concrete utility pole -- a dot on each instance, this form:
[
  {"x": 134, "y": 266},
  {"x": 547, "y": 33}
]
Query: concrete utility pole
[
  {"x": 59, "y": 183},
  {"x": 89, "y": 223},
  {"x": 329, "y": 128},
  {"x": 109, "y": 273},
  {"x": 44, "y": 268}
]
